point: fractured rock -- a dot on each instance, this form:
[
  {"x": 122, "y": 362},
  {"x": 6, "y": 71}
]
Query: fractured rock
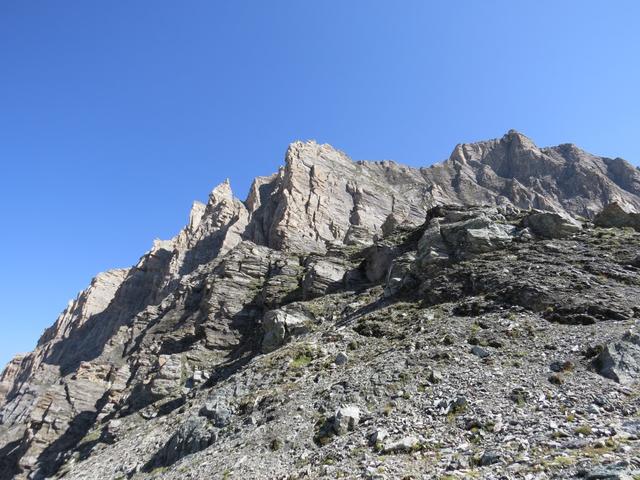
[
  {"x": 615, "y": 215},
  {"x": 346, "y": 418},
  {"x": 551, "y": 224},
  {"x": 192, "y": 436},
  {"x": 218, "y": 411},
  {"x": 620, "y": 361},
  {"x": 279, "y": 325}
]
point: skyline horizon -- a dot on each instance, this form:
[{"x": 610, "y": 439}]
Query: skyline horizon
[{"x": 116, "y": 118}]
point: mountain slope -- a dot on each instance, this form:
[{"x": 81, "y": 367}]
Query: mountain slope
[{"x": 193, "y": 315}]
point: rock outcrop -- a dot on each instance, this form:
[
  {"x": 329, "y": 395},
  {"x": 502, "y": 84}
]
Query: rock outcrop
[
  {"x": 212, "y": 332},
  {"x": 614, "y": 215}
]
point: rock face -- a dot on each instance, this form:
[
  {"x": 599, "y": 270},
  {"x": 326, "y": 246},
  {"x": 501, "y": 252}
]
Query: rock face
[{"x": 205, "y": 342}]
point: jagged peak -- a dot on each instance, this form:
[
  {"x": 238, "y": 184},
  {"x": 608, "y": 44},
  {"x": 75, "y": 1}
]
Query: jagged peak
[
  {"x": 221, "y": 192},
  {"x": 513, "y": 141},
  {"x": 254, "y": 199},
  {"x": 196, "y": 214},
  {"x": 310, "y": 153},
  {"x": 519, "y": 139},
  {"x": 158, "y": 244}
]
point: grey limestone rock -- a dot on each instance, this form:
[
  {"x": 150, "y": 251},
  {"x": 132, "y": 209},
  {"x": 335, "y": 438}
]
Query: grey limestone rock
[
  {"x": 323, "y": 275},
  {"x": 402, "y": 445},
  {"x": 217, "y": 410},
  {"x": 279, "y": 325},
  {"x": 346, "y": 418},
  {"x": 551, "y": 224},
  {"x": 192, "y": 436},
  {"x": 620, "y": 360}
]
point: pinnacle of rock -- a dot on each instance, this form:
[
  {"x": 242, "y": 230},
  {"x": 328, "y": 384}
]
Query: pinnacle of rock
[{"x": 221, "y": 192}]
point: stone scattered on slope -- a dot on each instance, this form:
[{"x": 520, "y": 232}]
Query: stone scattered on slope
[
  {"x": 620, "y": 360},
  {"x": 346, "y": 418},
  {"x": 192, "y": 436},
  {"x": 402, "y": 445},
  {"x": 279, "y": 325}
]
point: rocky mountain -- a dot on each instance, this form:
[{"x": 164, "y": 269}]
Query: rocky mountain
[{"x": 473, "y": 319}]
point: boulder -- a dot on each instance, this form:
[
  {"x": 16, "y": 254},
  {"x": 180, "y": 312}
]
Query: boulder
[
  {"x": 403, "y": 445},
  {"x": 323, "y": 275},
  {"x": 615, "y": 215},
  {"x": 341, "y": 359},
  {"x": 346, "y": 418},
  {"x": 279, "y": 325},
  {"x": 399, "y": 274},
  {"x": 378, "y": 436},
  {"x": 479, "y": 352},
  {"x": 217, "y": 410},
  {"x": 489, "y": 458},
  {"x": 620, "y": 361},
  {"x": 551, "y": 224},
  {"x": 478, "y": 234},
  {"x": 455, "y": 233},
  {"x": 613, "y": 472},
  {"x": 488, "y": 238},
  {"x": 377, "y": 261}
]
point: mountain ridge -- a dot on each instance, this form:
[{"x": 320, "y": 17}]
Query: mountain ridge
[{"x": 118, "y": 347}]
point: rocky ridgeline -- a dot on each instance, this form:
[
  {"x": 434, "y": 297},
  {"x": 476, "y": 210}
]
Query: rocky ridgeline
[{"x": 357, "y": 319}]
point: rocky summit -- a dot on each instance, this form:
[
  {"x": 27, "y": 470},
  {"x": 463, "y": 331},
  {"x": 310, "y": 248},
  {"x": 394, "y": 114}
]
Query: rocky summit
[{"x": 474, "y": 319}]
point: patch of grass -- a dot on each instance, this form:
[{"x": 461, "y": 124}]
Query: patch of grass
[
  {"x": 561, "y": 461},
  {"x": 90, "y": 437},
  {"x": 159, "y": 470},
  {"x": 597, "y": 452},
  {"x": 276, "y": 444},
  {"x": 583, "y": 430},
  {"x": 302, "y": 356}
]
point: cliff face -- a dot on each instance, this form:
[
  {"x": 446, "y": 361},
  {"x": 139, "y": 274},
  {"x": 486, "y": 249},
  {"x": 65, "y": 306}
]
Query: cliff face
[
  {"x": 140, "y": 342},
  {"x": 513, "y": 170}
]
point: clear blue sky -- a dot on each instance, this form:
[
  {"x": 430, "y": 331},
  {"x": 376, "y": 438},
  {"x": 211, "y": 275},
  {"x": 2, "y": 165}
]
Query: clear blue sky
[{"x": 114, "y": 116}]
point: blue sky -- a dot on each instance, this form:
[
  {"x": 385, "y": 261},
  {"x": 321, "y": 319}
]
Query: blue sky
[{"x": 116, "y": 115}]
